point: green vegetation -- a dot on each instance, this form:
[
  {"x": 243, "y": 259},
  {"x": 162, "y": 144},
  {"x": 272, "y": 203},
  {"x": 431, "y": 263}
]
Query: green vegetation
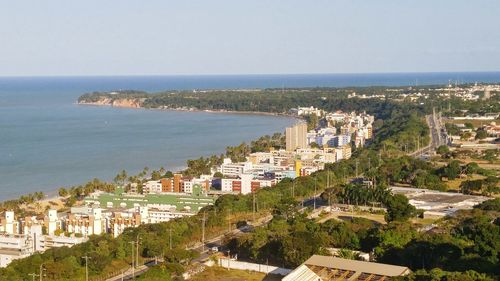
[
  {"x": 469, "y": 241},
  {"x": 460, "y": 244}
]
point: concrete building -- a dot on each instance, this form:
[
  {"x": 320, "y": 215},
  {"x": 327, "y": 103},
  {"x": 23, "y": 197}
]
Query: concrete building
[
  {"x": 84, "y": 221},
  {"x": 167, "y": 201},
  {"x": 438, "y": 203},
  {"x": 245, "y": 184},
  {"x": 153, "y": 187},
  {"x": 29, "y": 238},
  {"x": 326, "y": 268},
  {"x": 230, "y": 169},
  {"x": 296, "y": 137}
]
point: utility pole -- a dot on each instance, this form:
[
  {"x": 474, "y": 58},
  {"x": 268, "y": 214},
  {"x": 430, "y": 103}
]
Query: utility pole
[
  {"x": 328, "y": 179},
  {"x": 253, "y": 206},
  {"x": 137, "y": 251},
  {"x": 357, "y": 162},
  {"x": 170, "y": 238},
  {"x": 41, "y": 272},
  {"x": 133, "y": 260},
  {"x": 229, "y": 220},
  {"x": 203, "y": 232},
  {"x": 33, "y": 275},
  {"x": 86, "y": 267},
  {"x": 314, "y": 193}
]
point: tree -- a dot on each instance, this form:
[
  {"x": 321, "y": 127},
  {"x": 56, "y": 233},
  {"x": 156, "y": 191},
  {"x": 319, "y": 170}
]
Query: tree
[
  {"x": 442, "y": 150},
  {"x": 469, "y": 186},
  {"x": 472, "y": 168},
  {"x": 481, "y": 134},
  {"x": 314, "y": 145},
  {"x": 398, "y": 208},
  {"x": 218, "y": 175},
  {"x": 63, "y": 192},
  {"x": 348, "y": 254},
  {"x": 465, "y": 136},
  {"x": 489, "y": 205},
  {"x": 155, "y": 175},
  {"x": 452, "y": 170},
  {"x": 120, "y": 177}
]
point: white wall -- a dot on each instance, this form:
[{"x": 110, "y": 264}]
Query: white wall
[{"x": 227, "y": 263}]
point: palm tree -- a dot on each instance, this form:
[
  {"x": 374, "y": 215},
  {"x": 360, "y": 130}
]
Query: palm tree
[
  {"x": 162, "y": 170},
  {"x": 63, "y": 192},
  {"x": 39, "y": 195},
  {"x": 348, "y": 254}
]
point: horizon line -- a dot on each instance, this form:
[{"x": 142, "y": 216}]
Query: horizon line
[{"x": 242, "y": 74}]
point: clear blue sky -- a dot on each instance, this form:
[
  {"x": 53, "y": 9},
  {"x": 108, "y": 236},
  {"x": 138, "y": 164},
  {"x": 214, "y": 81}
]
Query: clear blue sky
[{"x": 108, "y": 37}]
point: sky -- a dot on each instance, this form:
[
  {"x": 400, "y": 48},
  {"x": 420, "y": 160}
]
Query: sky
[{"x": 186, "y": 37}]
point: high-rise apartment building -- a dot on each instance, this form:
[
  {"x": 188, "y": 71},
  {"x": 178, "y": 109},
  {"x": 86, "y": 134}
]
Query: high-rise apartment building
[{"x": 296, "y": 137}]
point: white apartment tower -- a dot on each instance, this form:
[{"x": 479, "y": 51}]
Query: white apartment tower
[
  {"x": 9, "y": 222},
  {"x": 52, "y": 224}
]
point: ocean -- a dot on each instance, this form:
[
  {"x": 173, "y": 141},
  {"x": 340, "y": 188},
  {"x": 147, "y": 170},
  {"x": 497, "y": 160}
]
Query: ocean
[{"x": 48, "y": 141}]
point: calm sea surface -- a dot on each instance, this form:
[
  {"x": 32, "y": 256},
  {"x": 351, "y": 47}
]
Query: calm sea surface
[{"x": 47, "y": 141}]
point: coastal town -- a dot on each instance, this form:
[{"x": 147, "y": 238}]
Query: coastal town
[
  {"x": 326, "y": 138},
  {"x": 309, "y": 146},
  {"x": 307, "y": 151}
]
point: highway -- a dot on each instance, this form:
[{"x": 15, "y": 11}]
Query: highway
[{"x": 438, "y": 137}]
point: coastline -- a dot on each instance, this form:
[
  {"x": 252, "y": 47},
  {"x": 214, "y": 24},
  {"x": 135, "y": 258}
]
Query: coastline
[
  {"x": 220, "y": 111},
  {"x": 51, "y": 195}
]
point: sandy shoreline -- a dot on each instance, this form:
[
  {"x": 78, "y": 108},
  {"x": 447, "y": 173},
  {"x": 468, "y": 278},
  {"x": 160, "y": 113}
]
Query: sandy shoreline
[{"x": 221, "y": 111}]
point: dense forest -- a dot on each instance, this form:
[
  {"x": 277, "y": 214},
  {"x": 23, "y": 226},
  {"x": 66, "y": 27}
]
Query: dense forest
[
  {"x": 265, "y": 100},
  {"x": 282, "y": 100}
]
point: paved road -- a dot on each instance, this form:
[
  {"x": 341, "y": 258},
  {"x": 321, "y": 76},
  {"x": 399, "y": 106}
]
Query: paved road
[
  {"x": 203, "y": 249},
  {"x": 437, "y": 135}
]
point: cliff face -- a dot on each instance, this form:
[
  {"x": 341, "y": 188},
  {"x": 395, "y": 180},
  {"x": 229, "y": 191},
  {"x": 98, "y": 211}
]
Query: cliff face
[
  {"x": 120, "y": 102},
  {"x": 134, "y": 103}
]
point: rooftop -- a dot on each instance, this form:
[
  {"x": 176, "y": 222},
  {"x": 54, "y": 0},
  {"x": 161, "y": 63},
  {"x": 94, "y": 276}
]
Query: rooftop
[{"x": 325, "y": 268}]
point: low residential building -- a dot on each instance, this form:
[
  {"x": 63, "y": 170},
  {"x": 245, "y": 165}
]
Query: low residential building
[
  {"x": 30, "y": 238},
  {"x": 84, "y": 221},
  {"x": 230, "y": 169},
  {"x": 153, "y": 187},
  {"x": 178, "y": 201},
  {"x": 245, "y": 184}
]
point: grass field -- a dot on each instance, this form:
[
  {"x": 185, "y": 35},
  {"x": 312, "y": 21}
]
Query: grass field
[
  {"x": 377, "y": 218},
  {"x": 475, "y": 123},
  {"x": 455, "y": 184},
  {"x": 216, "y": 273}
]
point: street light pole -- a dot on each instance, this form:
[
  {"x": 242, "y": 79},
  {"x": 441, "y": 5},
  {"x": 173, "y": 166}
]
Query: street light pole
[
  {"x": 137, "y": 251},
  {"x": 314, "y": 198},
  {"x": 86, "y": 267},
  {"x": 41, "y": 272},
  {"x": 170, "y": 238},
  {"x": 203, "y": 232},
  {"x": 133, "y": 260}
]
